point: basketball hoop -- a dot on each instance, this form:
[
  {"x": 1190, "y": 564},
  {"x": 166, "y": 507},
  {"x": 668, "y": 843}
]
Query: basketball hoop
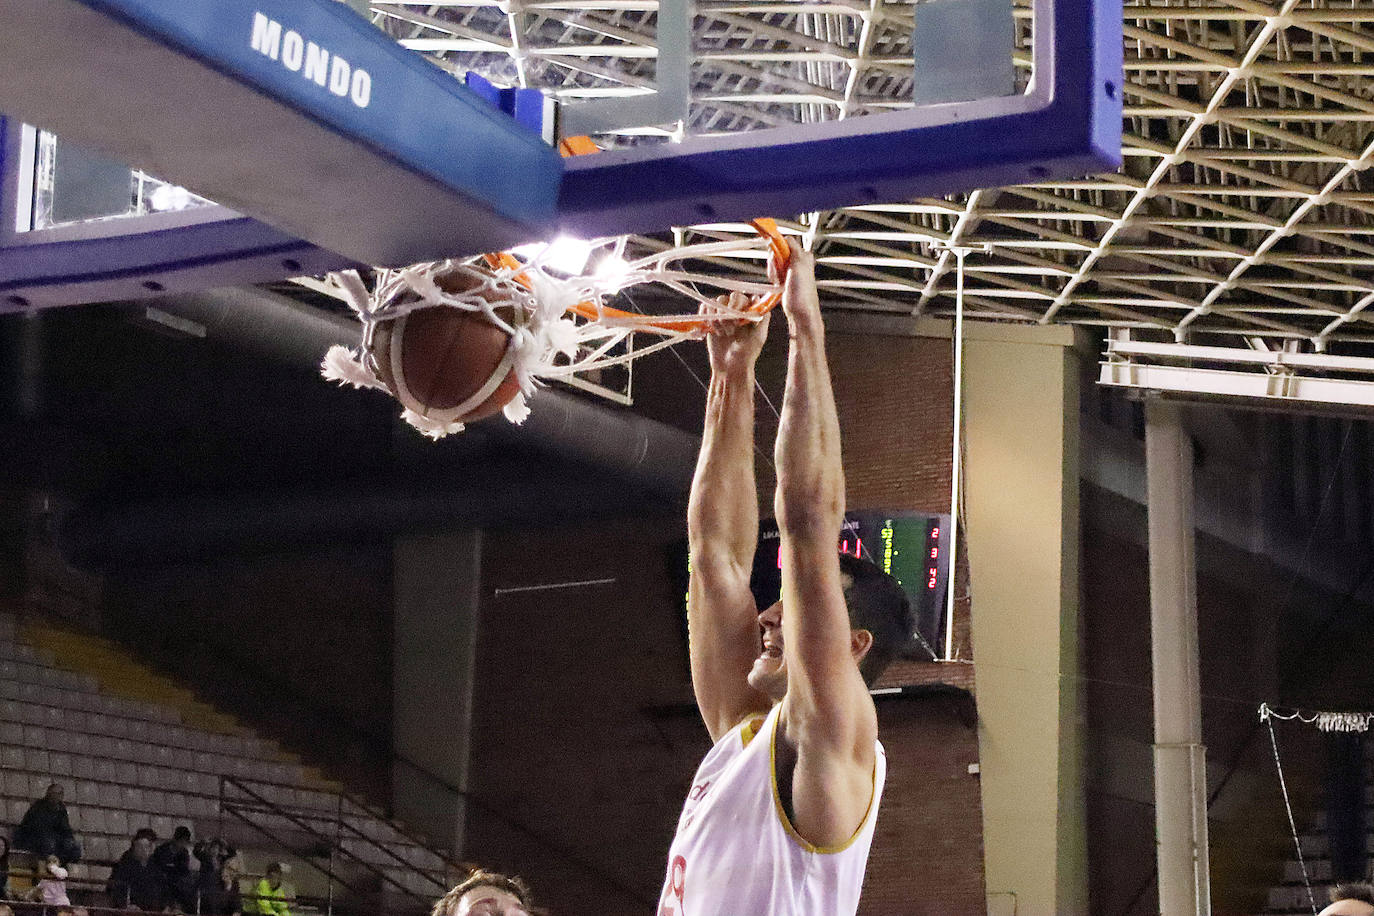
[{"x": 558, "y": 324}]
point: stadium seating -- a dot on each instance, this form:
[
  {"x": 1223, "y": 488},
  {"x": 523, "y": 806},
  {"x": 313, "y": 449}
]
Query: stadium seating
[{"x": 129, "y": 763}]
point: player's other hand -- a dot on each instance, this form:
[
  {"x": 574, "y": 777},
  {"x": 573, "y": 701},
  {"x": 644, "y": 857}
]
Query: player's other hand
[
  {"x": 734, "y": 344},
  {"x": 799, "y": 299}
]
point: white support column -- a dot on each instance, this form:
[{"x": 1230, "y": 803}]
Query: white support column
[{"x": 1180, "y": 757}]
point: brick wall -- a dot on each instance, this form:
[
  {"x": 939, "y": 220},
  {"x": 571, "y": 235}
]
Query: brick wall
[{"x": 585, "y": 733}]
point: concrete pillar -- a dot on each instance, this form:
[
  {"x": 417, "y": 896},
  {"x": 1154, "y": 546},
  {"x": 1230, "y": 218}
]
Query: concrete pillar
[
  {"x": 1021, "y": 517},
  {"x": 437, "y": 583},
  {"x": 1180, "y": 757}
]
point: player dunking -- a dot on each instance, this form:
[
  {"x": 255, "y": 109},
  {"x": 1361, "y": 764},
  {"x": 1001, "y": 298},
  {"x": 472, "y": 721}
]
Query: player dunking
[{"x": 781, "y": 812}]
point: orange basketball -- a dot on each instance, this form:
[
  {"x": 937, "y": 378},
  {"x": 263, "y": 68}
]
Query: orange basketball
[{"x": 448, "y": 364}]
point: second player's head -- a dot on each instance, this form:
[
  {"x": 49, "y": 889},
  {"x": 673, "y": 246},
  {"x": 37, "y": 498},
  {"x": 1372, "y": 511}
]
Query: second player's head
[
  {"x": 1352, "y": 899},
  {"x": 485, "y": 893},
  {"x": 879, "y": 620}
]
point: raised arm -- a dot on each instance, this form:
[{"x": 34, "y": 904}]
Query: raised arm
[
  {"x": 722, "y": 533},
  {"x": 828, "y": 716}
]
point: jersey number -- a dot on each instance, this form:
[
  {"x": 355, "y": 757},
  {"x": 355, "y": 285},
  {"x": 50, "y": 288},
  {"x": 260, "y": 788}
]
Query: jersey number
[{"x": 677, "y": 883}]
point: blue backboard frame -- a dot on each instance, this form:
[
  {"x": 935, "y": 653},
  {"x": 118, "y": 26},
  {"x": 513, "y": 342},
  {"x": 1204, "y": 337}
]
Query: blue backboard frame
[{"x": 1068, "y": 123}]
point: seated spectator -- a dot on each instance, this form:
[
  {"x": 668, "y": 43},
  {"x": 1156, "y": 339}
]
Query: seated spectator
[
  {"x": 213, "y": 854},
  {"x": 173, "y": 859},
  {"x": 485, "y": 893},
  {"x": 51, "y": 889},
  {"x": 46, "y": 829},
  {"x": 223, "y": 897},
  {"x": 135, "y": 882},
  {"x": 4, "y": 869},
  {"x": 269, "y": 894}
]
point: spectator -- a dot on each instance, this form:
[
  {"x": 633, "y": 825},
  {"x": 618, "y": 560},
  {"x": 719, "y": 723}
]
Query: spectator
[
  {"x": 485, "y": 893},
  {"x": 135, "y": 882},
  {"x": 46, "y": 829},
  {"x": 213, "y": 854},
  {"x": 51, "y": 889},
  {"x": 4, "y": 869},
  {"x": 269, "y": 894},
  {"x": 173, "y": 860},
  {"x": 223, "y": 897},
  {"x": 64, "y": 911},
  {"x": 6, "y": 910}
]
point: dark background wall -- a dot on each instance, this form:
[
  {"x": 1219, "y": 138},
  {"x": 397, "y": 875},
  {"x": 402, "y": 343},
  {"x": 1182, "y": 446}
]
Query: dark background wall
[{"x": 296, "y": 644}]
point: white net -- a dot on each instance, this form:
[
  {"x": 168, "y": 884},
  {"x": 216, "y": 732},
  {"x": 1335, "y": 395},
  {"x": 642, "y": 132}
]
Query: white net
[
  {"x": 563, "y": 322},
  {"x": 1324, "y": 721}
]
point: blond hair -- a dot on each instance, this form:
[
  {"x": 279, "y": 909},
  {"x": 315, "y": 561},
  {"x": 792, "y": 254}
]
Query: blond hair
[{"x": 447, "y": 905}]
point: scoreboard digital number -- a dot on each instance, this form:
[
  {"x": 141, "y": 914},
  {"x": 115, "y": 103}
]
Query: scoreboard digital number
[{"x": 912, "y": 547}]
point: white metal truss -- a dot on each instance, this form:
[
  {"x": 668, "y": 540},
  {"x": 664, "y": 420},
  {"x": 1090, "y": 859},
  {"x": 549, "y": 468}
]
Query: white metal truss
[
  {"x": 1285, "y": 377},
  {"x": 1244, "y": 210}
]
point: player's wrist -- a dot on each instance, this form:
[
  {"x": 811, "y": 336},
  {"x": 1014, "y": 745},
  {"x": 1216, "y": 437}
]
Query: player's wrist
[
  {"x": 806, "y": 519},
  {"x": 805, "y": 324},
  {"x": 735, "y": 370}
]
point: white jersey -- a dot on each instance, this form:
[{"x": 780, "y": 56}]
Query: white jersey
[{"x": 736, "y": 853}]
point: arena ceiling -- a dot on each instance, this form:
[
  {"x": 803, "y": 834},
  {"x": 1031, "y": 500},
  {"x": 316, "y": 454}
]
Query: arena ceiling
[{"x": 1243, "y": 208}]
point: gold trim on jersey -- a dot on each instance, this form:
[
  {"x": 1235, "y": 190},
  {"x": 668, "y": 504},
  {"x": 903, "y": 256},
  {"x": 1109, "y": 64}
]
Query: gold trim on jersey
[
  {"x": 782, "y": 814},
  {"x": 751, "y": 728}
]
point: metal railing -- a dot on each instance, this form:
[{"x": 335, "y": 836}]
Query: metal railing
[{"x": 239, "y": 799}]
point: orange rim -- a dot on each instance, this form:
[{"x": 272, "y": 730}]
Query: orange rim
[{"x": 779, "y": 252}]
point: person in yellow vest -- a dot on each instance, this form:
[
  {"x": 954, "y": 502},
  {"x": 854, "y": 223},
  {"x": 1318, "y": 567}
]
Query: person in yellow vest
[{"x": 269, "y": 895}]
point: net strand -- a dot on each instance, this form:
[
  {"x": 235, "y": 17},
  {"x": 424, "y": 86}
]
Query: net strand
[{"x": 1267, "y": 716}]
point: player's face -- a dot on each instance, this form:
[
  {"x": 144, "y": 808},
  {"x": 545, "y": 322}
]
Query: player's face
[
  {"x": 489, "y": 901},
  {"x": 769, "y": 674}
]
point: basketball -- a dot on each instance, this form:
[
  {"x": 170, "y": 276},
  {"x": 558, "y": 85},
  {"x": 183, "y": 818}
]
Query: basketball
[{"x": 448, "y": 364}]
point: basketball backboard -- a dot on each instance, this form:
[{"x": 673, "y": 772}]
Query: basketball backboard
[{"x": 350, "y": 141}]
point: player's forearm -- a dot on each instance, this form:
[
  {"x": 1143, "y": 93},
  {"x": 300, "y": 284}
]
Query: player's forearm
[
  {"x": 809, "y": 501},
  {"x": 722, "y": 513},
  {"x": 810, "y": 508}
]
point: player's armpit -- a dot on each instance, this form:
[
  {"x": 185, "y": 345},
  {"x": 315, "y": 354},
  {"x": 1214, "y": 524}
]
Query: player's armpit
[{"x": 832, "y": 776}]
